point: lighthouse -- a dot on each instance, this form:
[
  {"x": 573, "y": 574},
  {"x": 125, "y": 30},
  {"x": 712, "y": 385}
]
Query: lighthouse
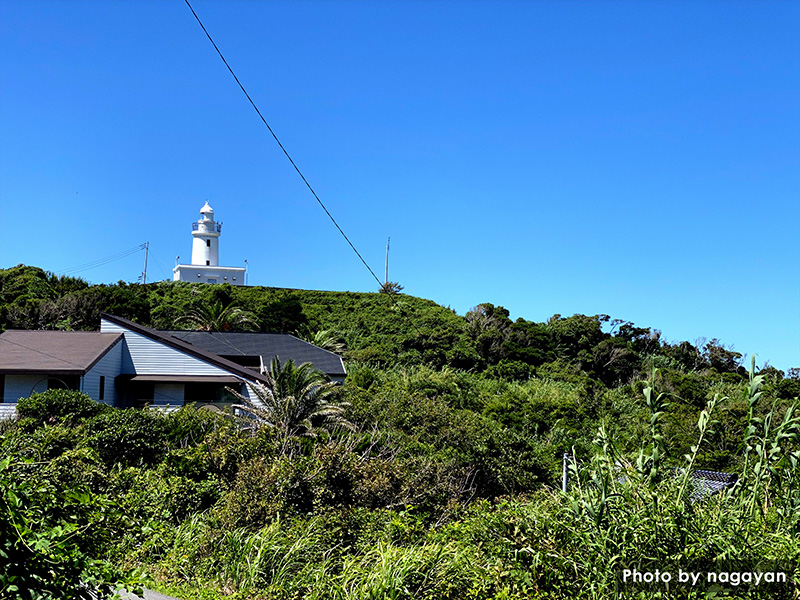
[
  {"x": 206, "y": 232},
  {"x": 205, "y": 254}
]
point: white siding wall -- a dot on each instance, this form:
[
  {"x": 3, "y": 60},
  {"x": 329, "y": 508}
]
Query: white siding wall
[
  {"x": 232, "y": 275},
  {"x": 248, "y": 393},
  {"x": 20, "y": 386},
  {"x": 109, "y": 366},
  {"x": 149, "y": 357}
]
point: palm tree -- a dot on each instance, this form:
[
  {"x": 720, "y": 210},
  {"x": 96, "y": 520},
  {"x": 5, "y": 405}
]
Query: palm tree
[
  {"x": 218, "y": 317},
  {"x": 296, "y": 401},
  {"x": 324, "y": 338}
]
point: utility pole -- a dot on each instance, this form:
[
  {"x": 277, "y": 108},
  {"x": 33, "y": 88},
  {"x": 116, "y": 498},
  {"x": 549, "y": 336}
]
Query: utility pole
[
  {"x": 386, "y": 272},
  {"x": 146, "y": 252},
  {"x": 246, "y": 268}
]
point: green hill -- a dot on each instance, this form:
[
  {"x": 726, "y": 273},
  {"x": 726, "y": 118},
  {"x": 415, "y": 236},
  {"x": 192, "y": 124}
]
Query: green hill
[
  {"x": 447, "y": 486},
  {"x": 380, "y": 329}
]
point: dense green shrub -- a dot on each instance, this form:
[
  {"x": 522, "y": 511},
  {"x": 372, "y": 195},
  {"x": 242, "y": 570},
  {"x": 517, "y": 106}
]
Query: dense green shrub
[
  {"x": 266, "y": 489},
  {"x": 361, "y": 376},
  {"x": 788, "y": 389},
  {"x": 129, "y": 437},
  {"x": 50, "y": 537},
  {"x": 510, "y": 370},
  {"x": 158, "y": 495},
  {"x": 42, "y": 443},
  {"x": 189, "y": 425},
  {"x": 54, "y": 405}
]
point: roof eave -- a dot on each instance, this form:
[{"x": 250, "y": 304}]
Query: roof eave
[{"x": 44, "y": 371}]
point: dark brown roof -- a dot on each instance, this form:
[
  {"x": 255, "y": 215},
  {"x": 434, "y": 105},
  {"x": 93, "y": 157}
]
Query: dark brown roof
[
  {"x": 174, "y": 342},
  {"x": 64, "y": 352}
]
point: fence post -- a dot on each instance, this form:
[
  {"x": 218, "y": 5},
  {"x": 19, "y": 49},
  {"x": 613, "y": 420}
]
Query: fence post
[{"x": 564, "y": 472}]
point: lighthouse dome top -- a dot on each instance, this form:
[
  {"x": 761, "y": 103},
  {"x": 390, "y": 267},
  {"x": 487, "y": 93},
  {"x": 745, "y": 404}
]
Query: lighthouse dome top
[{"x": 207, "y": 210}]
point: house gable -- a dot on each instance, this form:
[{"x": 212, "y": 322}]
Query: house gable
[
  {"x": 104, "y": 372},
  {"x": 146, "y": 356},
  {"x": 176, "y": 357}
]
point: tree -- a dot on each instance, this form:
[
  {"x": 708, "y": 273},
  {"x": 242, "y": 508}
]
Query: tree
[
  {"x": 324, "y": 338},
  {"x": 295, "y": 401},
  {"x": 391, "y": 287},
  {"x": 722, "y": 359},
  {"x": 218, "y": 317},
  {"x": 574, "y": 337},
  {"x": 488, "y": 325}
]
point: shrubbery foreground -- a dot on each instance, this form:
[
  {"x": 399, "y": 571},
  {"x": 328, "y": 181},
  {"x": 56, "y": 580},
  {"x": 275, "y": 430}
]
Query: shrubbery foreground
[{"x": 425, "y": 500}]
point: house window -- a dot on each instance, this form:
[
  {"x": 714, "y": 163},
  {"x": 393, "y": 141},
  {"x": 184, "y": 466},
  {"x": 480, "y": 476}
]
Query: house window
[
  {"x": 141, "y": 393},
  {"x": 65, "y": 382},
  {"x": 2, "y": 388},
  {"x": 102, "y": 388},
  {"x": 208, "y": 243},
  {"x": 212, "y": 280},
  {"x": 207, "y": 393}
]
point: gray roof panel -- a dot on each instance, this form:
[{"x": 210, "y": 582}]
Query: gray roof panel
[{"x": 267, "y": 345}]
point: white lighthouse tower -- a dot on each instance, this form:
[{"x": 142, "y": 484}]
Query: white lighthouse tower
[{"x": 205, "y": 254}]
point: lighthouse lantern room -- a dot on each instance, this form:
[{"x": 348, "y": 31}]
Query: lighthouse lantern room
[{"x": 205, "y": 254}]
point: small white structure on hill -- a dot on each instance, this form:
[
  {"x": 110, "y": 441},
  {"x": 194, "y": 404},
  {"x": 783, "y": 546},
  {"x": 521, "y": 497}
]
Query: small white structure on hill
[{"x": 205, "y": 254}]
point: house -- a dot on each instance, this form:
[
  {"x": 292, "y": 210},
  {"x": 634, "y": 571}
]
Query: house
[
  {"x": 35, "y": 361},
  {"x": 130, "y": 365}
]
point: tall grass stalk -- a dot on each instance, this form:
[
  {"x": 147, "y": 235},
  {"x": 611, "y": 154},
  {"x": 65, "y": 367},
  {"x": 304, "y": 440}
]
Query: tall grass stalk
[{"x": 704, "y": 424}]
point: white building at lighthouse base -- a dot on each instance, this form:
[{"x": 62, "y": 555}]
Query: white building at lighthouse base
[
  {"x": 208, "y": 274},
  {"x": 205, "y": 254}
]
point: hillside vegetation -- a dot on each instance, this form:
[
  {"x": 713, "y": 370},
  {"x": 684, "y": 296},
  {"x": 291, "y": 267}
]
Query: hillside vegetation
[{"x": 448, "y": 484}]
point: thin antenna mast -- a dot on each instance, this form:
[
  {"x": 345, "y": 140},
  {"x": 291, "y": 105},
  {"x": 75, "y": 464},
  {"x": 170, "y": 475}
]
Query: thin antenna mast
[
  {"x": 146, "y": 252},
  {"x": 386, "y": 272}
]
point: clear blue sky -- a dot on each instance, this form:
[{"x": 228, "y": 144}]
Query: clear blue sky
[{"x": 638, "y": 159}]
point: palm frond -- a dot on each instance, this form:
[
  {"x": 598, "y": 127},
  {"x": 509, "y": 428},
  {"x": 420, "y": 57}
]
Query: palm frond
[{"x": 294, "y": 400}]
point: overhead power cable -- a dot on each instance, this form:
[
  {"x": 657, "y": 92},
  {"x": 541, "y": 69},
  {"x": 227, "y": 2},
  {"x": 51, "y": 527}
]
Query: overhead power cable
[
  {"x": 102, "y": 261},
  {"x": 296, "y": 168},
  {"x": 164, "y": 270},
  {"x": 43, "y": 353},
  {"x": 275, "y": 137}
]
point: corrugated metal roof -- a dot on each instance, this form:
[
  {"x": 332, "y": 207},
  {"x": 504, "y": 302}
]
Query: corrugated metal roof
[
  {"x": 267, "y": 345},
  {"x": 707, "y": 483},
  {"x": 62, "y": 352}
]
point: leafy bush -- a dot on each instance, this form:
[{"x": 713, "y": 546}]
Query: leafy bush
[
  {"x": 53, "y": 405},
  {"x": 265, "y": 490},
  {"x": 189, "y": 425},
  {"x": 49, "y": 537},
  {"x": 158, "y": 495},
  {"x": 41, "y": 443},
  {"x": 510, "y": 370},
  {"x": 129, "y": 437}
]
